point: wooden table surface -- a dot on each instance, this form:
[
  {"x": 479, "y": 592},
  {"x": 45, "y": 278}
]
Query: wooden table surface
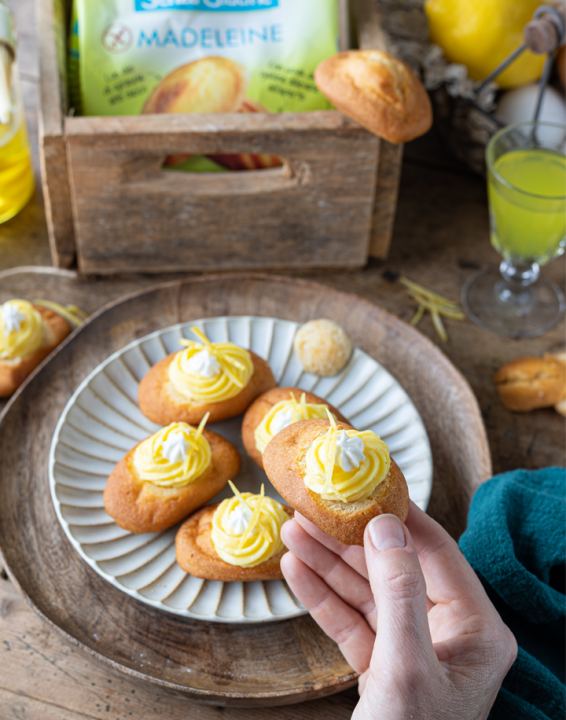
[{"x": 441, "y": 236}]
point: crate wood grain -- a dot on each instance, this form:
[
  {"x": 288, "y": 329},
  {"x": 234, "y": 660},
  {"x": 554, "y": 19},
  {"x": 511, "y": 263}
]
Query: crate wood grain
[
  {"x": 52, "y": 109},
  {"x": 111, "y": 207},
  {"x": 315, "y": 211}
]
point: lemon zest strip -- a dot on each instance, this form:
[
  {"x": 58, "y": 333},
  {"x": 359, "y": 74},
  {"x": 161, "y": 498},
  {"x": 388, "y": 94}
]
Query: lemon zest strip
[
  {"x": 238, "y": 495},
  {"x": 441, "y": 310},
  {"x": 439, "y": 326},
  {"x": 438, "y": 299},
  {"x": 71, "y": 313},
  {"x": 435, "y": 304},
  {"x": 201, "y": 426},
  {"x": 224, "y": 361},
  {"x": 330, "y": 449},
  {"x": 417, "y": 316},
  {"x": 254, "y": 519},
  {"x": 201, "y": 336}
]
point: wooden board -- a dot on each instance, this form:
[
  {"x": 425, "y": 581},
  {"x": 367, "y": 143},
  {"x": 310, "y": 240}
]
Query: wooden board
[
  {"x": 67, "y": 685},
  {"x": 269, "y": 664}
]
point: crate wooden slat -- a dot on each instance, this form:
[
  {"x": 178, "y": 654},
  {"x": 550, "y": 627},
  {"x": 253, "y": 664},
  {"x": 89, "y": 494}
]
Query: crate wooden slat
[
  {"x": 111, "y": 207},
  {"x": 315, "y": 211},
  {"x": 53, "y": 153}
]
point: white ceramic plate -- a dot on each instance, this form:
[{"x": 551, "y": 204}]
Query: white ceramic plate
[{"x": 102, "y": 422}]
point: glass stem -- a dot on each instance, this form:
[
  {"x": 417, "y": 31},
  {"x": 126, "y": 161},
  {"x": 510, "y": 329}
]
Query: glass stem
[{"x": 515, "y": 291}]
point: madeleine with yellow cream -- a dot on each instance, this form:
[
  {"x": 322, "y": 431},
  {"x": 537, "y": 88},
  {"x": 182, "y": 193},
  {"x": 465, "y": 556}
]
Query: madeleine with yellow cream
[
  {"x": 221, "y": 379},
  {"x": 167, "y": 476},
  {"x": 277, "y": 409},
  {"x": 237, "y": 539},
  {"x": 336, "y": 477},
  {"x": 28, "y": 334}
]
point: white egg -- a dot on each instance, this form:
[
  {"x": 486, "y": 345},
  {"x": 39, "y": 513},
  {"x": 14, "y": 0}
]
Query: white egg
[{"x": 519, "y": 104}]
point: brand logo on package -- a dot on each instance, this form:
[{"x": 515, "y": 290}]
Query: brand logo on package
[{"x": 205, "y": 5}]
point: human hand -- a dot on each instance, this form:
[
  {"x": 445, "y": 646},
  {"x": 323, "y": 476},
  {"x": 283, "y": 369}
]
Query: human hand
[{"x": 408, "y": 613}]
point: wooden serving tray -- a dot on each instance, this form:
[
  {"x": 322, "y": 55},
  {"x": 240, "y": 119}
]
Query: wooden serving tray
[{"x": 268, "y": 664}]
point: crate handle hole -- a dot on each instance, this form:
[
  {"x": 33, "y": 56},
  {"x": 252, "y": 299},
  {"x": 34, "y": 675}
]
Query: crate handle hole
[{"x": 244, "y": 162}]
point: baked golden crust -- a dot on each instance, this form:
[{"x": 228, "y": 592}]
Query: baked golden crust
[
  {"x": 260, "y": 407},
  {"x": 197, "y": 556},
  {"x": 208, "y": 85},
  {"x": 378, "y": 91},
  {"x": 344, "y": 521},
  {"x": 162, "y": 404},
  {"x": 142, "y": 507},
  {"x": 13, "y": 373},
  {"x": 530, "y": 382}
]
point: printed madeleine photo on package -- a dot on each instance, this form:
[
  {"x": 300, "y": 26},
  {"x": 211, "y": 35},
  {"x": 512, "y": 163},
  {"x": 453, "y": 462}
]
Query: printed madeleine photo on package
[{"x": 130, "y": 57}]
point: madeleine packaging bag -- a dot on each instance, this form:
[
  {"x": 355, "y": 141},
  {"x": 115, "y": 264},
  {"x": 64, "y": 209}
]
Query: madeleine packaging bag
[{"x": 205, "y": 56}]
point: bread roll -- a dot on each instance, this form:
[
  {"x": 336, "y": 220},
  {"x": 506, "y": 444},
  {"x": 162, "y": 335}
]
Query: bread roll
[
  {"x": 345, "y": 521},
  {"x": 531, "y": 382},
  {"x": 13, "y": 372},
  {"x": 378, "y": 91}
]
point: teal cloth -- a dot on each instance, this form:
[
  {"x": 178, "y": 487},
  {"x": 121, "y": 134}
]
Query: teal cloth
[{"x": 516, "y": 543}]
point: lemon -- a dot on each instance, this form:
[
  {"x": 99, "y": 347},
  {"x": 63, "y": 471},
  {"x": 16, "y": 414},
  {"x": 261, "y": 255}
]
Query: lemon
[{"x": 481, "y": 33}]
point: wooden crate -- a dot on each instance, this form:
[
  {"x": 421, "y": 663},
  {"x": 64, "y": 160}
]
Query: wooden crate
[{"x": 111, "y": 208}]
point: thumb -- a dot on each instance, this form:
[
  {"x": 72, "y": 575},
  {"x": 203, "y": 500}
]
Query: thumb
[{"x": 399, "y": 589}]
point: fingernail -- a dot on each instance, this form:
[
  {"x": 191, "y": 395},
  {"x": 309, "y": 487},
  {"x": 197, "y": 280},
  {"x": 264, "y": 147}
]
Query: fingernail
[{"x": 386, "y": 532}]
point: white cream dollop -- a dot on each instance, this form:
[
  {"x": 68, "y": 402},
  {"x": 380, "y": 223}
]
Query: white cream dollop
[
  {"x": 204, "y": 364},
  {"x": 349, "y": 451},
  {"x": 175, "y": 447},
  {"x": 12, "y": 318},
  {"x": 281, "y": 420},
  {"x": 239, "y": 519}
]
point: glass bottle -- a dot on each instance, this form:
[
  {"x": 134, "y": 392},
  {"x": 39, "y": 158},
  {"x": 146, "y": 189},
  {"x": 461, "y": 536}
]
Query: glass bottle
[{"x": 16, "y": 172}]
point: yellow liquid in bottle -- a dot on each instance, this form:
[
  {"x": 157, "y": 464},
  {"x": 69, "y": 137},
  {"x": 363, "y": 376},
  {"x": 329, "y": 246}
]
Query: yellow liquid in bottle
[{"x": 16, "y": 173}]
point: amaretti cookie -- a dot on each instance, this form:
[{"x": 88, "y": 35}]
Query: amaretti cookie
[
  {"x": 377, "y": 90},
  {"x": 323, "y": 348},
  {"x": 28, "y": 334},
  {"x": 336, "y": 477},
  {"x": 277, "y": 409},
  {"x": 168, "y": 476},
  {"x": 237, "y": 539},
  {"x": 221, "y": 379}
]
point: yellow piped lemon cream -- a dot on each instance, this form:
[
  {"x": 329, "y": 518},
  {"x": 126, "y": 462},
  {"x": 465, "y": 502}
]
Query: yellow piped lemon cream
[
  {"x": 246, "y": 528},
  {"x": 21, "y": 329},
  {"x": 346, "y": 465},
  {"x": 283, "y": 414},
  {"x": 174, "y": 457},
  {"x": 208, "y": 372}
]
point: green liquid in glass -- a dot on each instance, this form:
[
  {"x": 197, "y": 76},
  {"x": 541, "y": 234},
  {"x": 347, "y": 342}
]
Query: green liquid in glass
[{"x": 529, "y": 225}]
